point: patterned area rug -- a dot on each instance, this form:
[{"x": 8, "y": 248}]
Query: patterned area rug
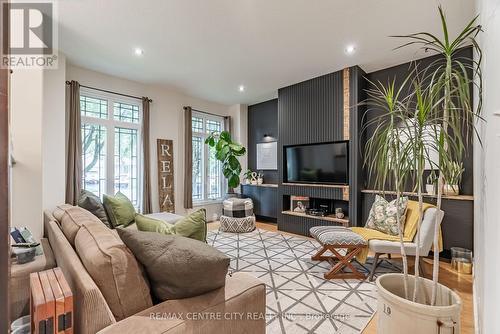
[{"x": 299, "y": 300}]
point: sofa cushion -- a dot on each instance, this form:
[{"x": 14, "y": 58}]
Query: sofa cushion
[
  {"x": 90, "y": 202},
  {"x": 193, "y": 226},
  {"x": 120, "y": 209},
  {"x": 114, "y": 269},
  {"x": 148, "y": 224},
  {"x": 337, "y": 236},
  {"x": 71, "y": 218},
  {"x": 383, "y": 215},
  {"x": 177, "y": 267}
]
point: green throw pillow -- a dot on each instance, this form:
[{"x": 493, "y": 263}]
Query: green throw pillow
[
  {"x": 148, "y": 224},
  {"x": 383, "y": 215},
  {"x": 120, "y": 209},
  {"x": 92, "y": 203},
  {"x": 193, "y": 226}
]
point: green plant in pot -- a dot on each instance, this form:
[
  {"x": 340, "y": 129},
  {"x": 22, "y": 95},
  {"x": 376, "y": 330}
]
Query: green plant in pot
[
  {"x": 437, "y": 115},
  {"x": 227, "y": 151},
  {"x": 248, "y": 176},
  {"x": 452, "y": 178},
  {"x": 431, "y": 184}
]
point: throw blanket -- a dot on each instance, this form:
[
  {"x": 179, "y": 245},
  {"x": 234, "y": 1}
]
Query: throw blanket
[{"x": 410, "y": 230}]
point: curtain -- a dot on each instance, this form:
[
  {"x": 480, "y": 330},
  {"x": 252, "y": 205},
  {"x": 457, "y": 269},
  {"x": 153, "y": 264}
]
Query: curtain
[
  {"x": 146, "y": 173},
  {"x": 188, "y": 158},
  {"x": 227, "y": 124},
  {"x": 74, "y": 162}
]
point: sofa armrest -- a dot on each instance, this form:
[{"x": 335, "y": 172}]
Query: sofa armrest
[{"x": 238, "y": 307}]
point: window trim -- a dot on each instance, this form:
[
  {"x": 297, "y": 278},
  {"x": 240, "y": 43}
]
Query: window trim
[
  {"x": 110, "y": 124},
  {"x": 204, "y": 134}
]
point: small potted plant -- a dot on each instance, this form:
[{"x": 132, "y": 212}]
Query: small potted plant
[
  {"x": 453, "y": 177},
  {"x": 260, "y": 177},
  {"x": 248, "y": 176},
  {"x": 431, "y": 184}
]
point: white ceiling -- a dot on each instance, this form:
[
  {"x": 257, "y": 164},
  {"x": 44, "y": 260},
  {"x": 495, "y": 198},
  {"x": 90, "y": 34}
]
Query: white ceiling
[{"x": 207, "y": 48}]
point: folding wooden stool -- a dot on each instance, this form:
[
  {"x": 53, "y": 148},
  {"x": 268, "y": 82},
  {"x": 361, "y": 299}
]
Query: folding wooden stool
[{"x": 334, "y": 239}]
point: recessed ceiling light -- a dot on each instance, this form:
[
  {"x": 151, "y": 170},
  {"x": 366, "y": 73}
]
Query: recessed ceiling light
[
  {"x": 138, "y": 51},
  {"x": 241, "y": 88},
  {"x": 350, "y": 49}
]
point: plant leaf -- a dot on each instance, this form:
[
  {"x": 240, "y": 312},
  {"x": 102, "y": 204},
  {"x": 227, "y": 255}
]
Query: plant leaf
[{"x": 234, "y": 181}]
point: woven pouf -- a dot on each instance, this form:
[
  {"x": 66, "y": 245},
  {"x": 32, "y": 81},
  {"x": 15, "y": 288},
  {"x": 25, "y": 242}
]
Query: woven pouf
[
  {"x": 237, "y": 207},
  {"x": 237, "y": 225}
]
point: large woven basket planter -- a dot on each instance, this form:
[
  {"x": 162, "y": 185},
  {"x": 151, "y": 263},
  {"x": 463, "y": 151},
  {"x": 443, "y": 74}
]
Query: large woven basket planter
[{"x": 237, "y": 225}]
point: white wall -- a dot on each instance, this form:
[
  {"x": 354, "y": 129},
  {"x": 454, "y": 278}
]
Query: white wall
[
  {"x": 166, "y": 122},
  {"x": 53, "y": 136},
  {"x": 26, "y": 129},
  {"x": 239, "y": 123},
  {"x": 38, "y": 124},
  {"x": 487, "y": 178}
]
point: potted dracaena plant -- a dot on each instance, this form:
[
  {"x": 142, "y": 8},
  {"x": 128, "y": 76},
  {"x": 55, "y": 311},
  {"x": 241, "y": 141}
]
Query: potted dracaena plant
[
  {"x": 437, "y": 115},
  {"x": 227, "y": 151}
]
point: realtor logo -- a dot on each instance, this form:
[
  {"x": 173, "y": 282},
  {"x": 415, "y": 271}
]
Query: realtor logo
[{"x": 28, "y": 35}]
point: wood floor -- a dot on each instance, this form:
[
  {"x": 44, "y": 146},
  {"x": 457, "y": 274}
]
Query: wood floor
[{"x": 461, "y": 284}]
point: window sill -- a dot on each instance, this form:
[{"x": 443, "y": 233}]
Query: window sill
[{"x": 208, "y": 202}]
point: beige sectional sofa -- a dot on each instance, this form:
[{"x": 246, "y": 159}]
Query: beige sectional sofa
[{"x": 112, "y": 294}]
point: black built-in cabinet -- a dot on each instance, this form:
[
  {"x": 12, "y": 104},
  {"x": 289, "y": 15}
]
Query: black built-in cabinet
[{"x": 265, "y": 200}]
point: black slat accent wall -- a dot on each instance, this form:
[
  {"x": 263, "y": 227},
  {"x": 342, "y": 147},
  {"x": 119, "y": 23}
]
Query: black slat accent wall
[
  {"x": 357, "y": 94},
  {"x": 319, "y": 192},
  {"x": 309, "y": 112},
  {"x": 262, "y": 120}
]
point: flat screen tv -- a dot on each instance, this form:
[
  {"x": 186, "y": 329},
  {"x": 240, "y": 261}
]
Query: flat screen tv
[{"x": 325, "y": 163}]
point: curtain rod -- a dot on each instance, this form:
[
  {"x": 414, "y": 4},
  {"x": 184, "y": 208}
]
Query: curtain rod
[
  {"x": 108, "y": 91},
  {"x": 208, "y": 113}
]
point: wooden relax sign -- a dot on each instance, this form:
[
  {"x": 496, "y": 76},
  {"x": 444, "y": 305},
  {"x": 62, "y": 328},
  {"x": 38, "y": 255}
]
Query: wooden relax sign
[{"x": 166, "y": 175}]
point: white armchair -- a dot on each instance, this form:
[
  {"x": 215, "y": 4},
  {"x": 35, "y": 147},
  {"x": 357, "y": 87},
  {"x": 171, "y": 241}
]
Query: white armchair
[{"x": 380, "y": 247}]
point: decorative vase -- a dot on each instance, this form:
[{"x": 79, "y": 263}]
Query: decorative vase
[
  {"x": 395, "y": 312},
  {"x": 451, "y": 190},
  {"x": 260, "y": 180},
  {"x": 339, "y": 213},
  {"x": 431, "y": 189}
]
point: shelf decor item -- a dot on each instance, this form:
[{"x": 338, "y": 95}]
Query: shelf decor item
[
  {"x": 248, "y": 176},
  {"x": 339, "y": 213},
  {"x": 439, "y": 99},
  {"x": 299, "y": 204},
  {"x": 253, "y": 180},
  {"x": 431, "y": 184},
  {"x": 260, "y": 177},
  {"x": 453, "y": 178}
]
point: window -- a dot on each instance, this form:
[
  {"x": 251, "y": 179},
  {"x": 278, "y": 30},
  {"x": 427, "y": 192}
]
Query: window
[
  {"x": 110, "y": 144},
  {"x": 208, "y": 180}
]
